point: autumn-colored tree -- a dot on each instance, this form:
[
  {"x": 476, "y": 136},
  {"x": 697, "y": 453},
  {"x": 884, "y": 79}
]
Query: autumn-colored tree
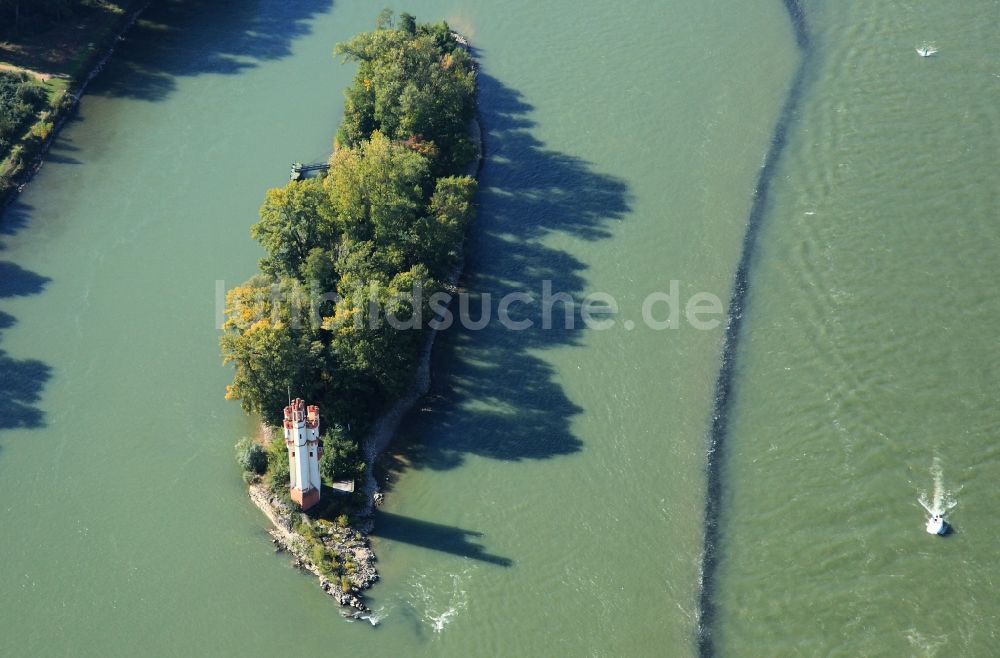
[{"x": 268, "y": 344}]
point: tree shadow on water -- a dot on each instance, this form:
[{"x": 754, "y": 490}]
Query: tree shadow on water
[
  {"x": 15, "y": 281},
  {"x": 493, "y": 395},
  {"x": 175, "y": 38},
  {"x": 60, "y": 151},
  {"x": 21, "y": 380}
]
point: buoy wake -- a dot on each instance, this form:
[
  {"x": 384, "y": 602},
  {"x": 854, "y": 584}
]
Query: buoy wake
[{"x": 940, "y": 503}]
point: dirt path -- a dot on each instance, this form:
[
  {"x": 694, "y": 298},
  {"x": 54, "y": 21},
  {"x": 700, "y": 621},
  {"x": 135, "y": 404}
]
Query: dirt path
[{"x": 37, "y": 75}]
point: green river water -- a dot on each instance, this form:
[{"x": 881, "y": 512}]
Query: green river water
[{"x": 548, "y": 498}]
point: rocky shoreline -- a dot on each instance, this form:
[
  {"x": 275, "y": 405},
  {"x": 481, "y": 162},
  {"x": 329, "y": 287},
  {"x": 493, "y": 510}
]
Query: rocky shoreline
[
  {"x": 346, "y": 542},
  {"x": 352, "y": 542}
]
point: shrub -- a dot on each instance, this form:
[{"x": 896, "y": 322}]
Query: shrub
[
  {"x": 277, "y": 479},
  {"x": 277, "y": 467},
  {"x": 324, "y": 560},
  {"x": 21, "y": 100},
  {"x": 345, "y": 584},
  {"x": 306, "y": 530},
  {"x": 251, "y": 456},
  {"x": 32, "y": 94},
  {"x": 42, "y": 130}
]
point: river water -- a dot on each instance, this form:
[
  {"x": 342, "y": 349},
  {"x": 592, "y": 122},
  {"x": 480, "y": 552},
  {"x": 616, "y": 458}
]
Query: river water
[{"x": 548, "y": 497}]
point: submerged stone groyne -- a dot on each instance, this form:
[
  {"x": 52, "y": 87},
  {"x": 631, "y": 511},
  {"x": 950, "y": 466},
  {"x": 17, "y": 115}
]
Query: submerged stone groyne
[{"x": 719, "y": 430}]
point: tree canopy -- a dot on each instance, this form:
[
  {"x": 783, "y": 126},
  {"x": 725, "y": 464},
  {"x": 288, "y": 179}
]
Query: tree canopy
[
  {"x": 414, "y": 81},
  {"x": 339, "y": 309},
  {"x": 294, "y": 220}
]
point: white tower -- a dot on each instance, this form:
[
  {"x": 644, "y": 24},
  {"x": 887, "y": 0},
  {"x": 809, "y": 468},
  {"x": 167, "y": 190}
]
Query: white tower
[{"x": 304, "y": 451}]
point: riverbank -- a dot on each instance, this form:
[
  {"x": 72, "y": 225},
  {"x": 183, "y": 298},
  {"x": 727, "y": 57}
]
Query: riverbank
[{"x": 80, "y": 57}]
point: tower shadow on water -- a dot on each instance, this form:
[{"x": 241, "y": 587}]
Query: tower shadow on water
[{"x": 724, "y": 384}]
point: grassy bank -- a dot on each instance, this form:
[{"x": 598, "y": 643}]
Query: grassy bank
[{"x": 55, "y": 55}]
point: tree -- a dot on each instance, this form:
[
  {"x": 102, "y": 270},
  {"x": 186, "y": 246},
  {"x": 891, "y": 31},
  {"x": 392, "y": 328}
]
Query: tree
[
  {"x": 341, "y": 457},
  {"x": 270, "y": 351},
  {"x": 377, "y": 191},
  {"x": 407, "y": 23},
  {"x": 319, "y": 271},
  {"x": 384, "y": 19},
  {"x": 294, "y": 220},
  {"x": 377, "y": 328},
  {"x": 251, "y": 456},
  {"x": 359, "y": 114},
  {"x": 21, "y": 99},
  {"x": 439, "y": 234}
]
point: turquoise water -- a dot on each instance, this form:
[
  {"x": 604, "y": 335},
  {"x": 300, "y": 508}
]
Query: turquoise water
[{"x": 548, "y": 496}]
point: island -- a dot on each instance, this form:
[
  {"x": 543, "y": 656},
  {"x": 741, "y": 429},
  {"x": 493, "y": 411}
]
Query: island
[{"x": 339, "y": 316}]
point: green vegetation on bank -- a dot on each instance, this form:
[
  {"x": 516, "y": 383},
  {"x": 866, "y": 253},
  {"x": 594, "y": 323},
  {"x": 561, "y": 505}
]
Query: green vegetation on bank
[
  {"x": 21, "y": 99},
  {"x": 47, "y": 49},
  {"x": 353, "y": 259},
  {"x": 28, "y": 112}
]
